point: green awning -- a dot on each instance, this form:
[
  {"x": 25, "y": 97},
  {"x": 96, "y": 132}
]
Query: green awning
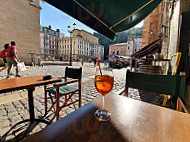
[{"x": 107, "y": 16}]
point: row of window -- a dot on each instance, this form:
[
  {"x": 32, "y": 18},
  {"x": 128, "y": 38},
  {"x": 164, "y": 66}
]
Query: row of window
[
  {"x": 80, "y": 42},
  {"x": 79, "y": 47},
  {"x": 51, "y": 37},
  {"x": 50, "y": 42},
  {"x": 81, "y": 52},
  {"x": 50, "y": 32},
  {"x": 51, "y": 52},
  {"x": 51, "y": 47}
]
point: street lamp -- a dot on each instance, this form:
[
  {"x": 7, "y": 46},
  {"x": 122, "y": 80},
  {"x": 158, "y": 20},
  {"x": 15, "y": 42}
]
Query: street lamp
[
  {"x": 151, "y": 32},
  {"x": 71, "y": 32}
]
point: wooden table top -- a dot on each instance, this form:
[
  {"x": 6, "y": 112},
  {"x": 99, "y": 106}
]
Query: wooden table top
[
  {"x": 17, "y": 83},
  {"x": 131, "y": 120}
]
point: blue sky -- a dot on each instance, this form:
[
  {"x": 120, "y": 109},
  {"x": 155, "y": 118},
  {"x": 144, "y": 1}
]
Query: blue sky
[{"x": 50, "y": 15}]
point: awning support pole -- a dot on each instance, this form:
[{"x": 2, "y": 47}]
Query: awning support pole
[{"x": 93, "y": 15}]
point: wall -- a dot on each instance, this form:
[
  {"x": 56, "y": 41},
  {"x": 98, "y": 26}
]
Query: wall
[
  {"x": 174, "y": 30},
  {"x": 185, "y": 5},
  {"x": 86, "y": 36},
  {"x": 120, "y": 49},
  {"x": 20, "y": 21},
  {"x": 152, "y": 22}
]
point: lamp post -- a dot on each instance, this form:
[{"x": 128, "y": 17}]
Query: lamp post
[{"x": 71, "y": 32}]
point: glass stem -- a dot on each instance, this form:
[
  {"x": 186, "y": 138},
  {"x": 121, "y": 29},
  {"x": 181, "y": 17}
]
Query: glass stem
[{"x": 102, "y": 102}]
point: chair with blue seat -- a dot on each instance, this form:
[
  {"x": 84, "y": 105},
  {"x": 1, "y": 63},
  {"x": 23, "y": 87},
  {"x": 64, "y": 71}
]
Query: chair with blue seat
[{"x": 63, "y": 90}]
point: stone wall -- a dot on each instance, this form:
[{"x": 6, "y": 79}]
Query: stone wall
[
  {"x": 174, "y": 30},
  {"x": 185, "y": 5},
  {"x": 20, "y": 21},
  {"x": 152, "y": 23}
]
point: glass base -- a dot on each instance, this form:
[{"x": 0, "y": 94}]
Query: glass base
[{"x": 102, "y": 115}]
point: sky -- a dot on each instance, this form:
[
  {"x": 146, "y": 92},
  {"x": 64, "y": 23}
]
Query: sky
[{"x": 57, "y": 19}]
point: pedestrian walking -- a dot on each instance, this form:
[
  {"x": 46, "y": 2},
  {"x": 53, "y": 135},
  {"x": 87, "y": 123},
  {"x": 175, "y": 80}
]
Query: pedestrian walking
[
  {"x": 95, "y": 62},
  {"x": 133, "y": 64},
  {"x": 3, "y": 55},
  {"x": 12, "y": 59}
]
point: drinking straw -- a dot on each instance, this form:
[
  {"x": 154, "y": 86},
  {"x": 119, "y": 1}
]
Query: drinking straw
[{"x": 99, "y": 66}]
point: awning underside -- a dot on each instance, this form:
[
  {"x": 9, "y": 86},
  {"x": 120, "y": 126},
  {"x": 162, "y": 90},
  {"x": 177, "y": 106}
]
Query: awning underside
[
  {"x": 107, "y": 16},
  {"x": 151, "y": 48}
]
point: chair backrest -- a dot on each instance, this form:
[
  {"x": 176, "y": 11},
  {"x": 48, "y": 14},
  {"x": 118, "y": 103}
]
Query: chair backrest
[
  {"x": 74, "y": 73},
  {"x": 162, "y": 84}
]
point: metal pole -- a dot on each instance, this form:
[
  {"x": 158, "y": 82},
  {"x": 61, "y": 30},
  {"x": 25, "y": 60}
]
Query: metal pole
[{"x": 70, "y": 63}]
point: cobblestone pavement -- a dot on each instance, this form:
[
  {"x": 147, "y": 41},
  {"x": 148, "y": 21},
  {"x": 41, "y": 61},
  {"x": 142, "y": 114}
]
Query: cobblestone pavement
[{"x": 16, "y": 110}]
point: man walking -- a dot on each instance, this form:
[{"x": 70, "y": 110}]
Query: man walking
[
  {"x": 133, "y": 62},
  {"x": 12, "y": 58}
]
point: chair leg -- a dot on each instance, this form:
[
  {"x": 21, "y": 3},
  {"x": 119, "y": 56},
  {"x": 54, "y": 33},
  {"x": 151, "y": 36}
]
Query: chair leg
[
  {"x": 57, "y": 108},
  {"x": 126, "y": 92},
  {"x": 165, "y": 100},
  {"x": 80, "y": 99},
  {"x": 73, "y": 103},
  {"x": 66, "y": 99},
  {"x": 179, "y": 105},
  {"x": 79, "y": 86},
  {"x": 53, "y": 103},
  {"x": 45, "y": 99}
]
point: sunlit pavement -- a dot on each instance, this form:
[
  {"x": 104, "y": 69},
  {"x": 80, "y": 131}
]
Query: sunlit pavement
[{"x": 14, "y": 105}]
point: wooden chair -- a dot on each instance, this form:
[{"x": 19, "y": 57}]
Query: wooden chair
[
  {"x": 62, "y": 90},
  {"x": 163, "y": 84}
]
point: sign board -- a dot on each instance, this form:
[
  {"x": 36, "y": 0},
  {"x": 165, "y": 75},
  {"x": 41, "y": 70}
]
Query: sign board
[{"x": 174, "y": 62}]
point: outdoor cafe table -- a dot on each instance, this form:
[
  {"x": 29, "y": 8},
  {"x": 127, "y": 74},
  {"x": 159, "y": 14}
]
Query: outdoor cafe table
[
  {"x": 28, "y": 83},
  {"x": 131, "y": 120}
]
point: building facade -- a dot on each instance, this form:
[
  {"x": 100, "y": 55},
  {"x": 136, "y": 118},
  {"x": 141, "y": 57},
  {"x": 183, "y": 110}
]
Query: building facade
[
  {"x": 126, "y": 49},
  {"x": 137, "y": 43},
  {"x": 152, "y": 24},
  {"x": 84, "y": 45},
  {"x": 20, "y": 21},
  {"x": 49, "y": 43},
  {"x": 134, "y": 44},
  {"x": 121, "y": 49}
]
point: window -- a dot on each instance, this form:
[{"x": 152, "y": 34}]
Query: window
[{"x": 117, "y": 52}]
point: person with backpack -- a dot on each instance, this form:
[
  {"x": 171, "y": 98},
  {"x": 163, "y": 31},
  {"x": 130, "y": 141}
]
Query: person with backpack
[
  {"x": 3, "y": 55},
  {"x": 12, "y": 59}
]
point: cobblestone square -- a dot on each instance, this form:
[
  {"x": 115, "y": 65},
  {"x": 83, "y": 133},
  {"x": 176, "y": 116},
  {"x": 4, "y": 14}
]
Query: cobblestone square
[{"x": 15, "y": 110}]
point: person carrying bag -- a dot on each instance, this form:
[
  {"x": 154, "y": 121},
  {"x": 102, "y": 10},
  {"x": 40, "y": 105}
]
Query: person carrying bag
[{"x": 12, "y": 59}]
